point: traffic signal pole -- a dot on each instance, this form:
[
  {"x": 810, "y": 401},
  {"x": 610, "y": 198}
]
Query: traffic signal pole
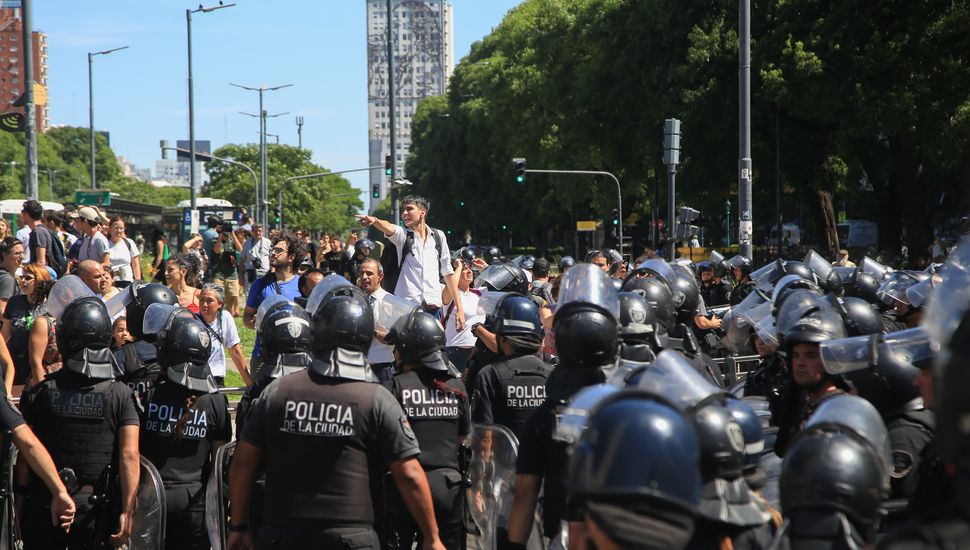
[{"x": 619, "y": 194}]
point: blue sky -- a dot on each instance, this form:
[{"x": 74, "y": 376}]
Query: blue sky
[{"x": 141, "y": 96}]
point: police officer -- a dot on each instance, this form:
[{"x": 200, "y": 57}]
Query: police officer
[
  {"x": 286, "y": 334},
  {"x": 142, "y": 373},
  {"x": 585, "y": 332},
  {"x": 638, "y": 329},
  {"x": 506, "y": 392},
  {"x": 436, "y": 405},
  {"x": 504, "y": 277},
  {"x": 835, "y": 477},
  {"x": 714, "y": 291},
  {"x": 89, "y": 423},
  {"x": 740, "y": 268},
  {"x": 325, "y": 435},
  {"x": 631, "y": 495},
  {"x": 185, "y": 422}
]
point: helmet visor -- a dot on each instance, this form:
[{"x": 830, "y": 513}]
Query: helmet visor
[
  {"x": 846, "y": 354},
  {"x": 874, "y": 268},
  {"x": 494, "y": 277},
  {"x": 818, "y": 264},
  {"x": 716, "y": 258},
  {"x": 588, "y": 284},
  {"x": 767, "y": 330},
  {"x": 572, "y": 423},
  {"x": 911, "y": 346},
  {"x": 64, "y": 292},
  {"x": 919, "y": 294},
  {"x": 737, "y": 261},
  {"x": 765, "y": 276},
  {"x": 323, "y": 288},
  {"x": 675, "y": 378},
  {"x": 158, "y": 317},
  {"x": 737, "y": 333},
  {"x": 948, "y": 304},
  {"x": 893, "y": 290},
  {"x": 660, "y": 269}
]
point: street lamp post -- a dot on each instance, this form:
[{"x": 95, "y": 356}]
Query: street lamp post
[
  {"x": 745, "y": 172},
  {"x": 188, "y": 28},
  {"x": 264, "y": 192},
  {"x": 209, "y": 156},
  {"x": 50, "y": 179},
  {"x": 727, "y": 220},
  {"x": 279, "y": 193},
  {"x": 94, "y": 175}
]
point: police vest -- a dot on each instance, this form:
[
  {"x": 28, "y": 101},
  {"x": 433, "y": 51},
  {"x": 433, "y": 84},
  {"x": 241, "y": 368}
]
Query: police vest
[
  {"x": 435, "y": 416},
  {"x": 320, "y": 440},
  {"x": 72, "y": 422},
  {"x": 522, "y": 383}
]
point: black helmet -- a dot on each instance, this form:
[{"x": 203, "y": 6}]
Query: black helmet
[
  {"x": 565, "y": 263},
  {"x": 754, "y": 437},
  {"x": 365, "y": 244},
  {"x": 84, "y": 324},
  {"x": 858, "y": 315},
  {"x": 739, "y": 262},
  {"x": 516, "y": 315},
  {"x": 722, "y": 440},
  {"x": 889, "y": 385},
  {"x": 285, "y": 329},
  {"x": 419, "y": 339},
  {"x": 184, "y": 347},
  {"x": 343, "y": 321},
  {"x": 828, "y": 476},
  {"x": 658, "y": 297},
  {"x": 616, "y": 458},
  {"x": 585, "y": 323},
  {"x": 637, "y": 319},
  {"x": 466, "y": 254},
  {"x": 686, "y": 283},
  {"x": 143, "y": 296},
  {"x": 504, "y": 277},
  {"x": 525, "y": 262},
  {"x": 787, "y": 285},
  {"x": 492, "y": 255},
  {"x": 862, "y": 285},
  {"x": 808, "y": 318},
  {"x": 793, "y": 267}
]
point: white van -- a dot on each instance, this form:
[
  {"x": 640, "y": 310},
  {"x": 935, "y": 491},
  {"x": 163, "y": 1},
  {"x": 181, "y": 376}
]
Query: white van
[
  {"x": 858, "y": 233},
  {"x": 791, "y": 234}
]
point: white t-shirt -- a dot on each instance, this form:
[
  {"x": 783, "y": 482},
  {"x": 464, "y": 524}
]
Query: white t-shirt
[
  {"x": 379, "y": 352},
  {"x": 228, "y": 336},
  {"x": 465, "y": 338},
  {"x": 121, "y": 254},
  {"x": 420, "y": 278}
]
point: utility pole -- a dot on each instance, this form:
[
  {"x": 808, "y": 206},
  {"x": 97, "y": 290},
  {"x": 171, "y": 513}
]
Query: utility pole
[
  {"x": 745, "y": 224},
  {"x": 391, "y": 108},
  {"x": 671, "y": 159},
  {"x": 31, "y": 123},
  {"x": 299, "y": 132},
  {"x": 94, "y": 175}
]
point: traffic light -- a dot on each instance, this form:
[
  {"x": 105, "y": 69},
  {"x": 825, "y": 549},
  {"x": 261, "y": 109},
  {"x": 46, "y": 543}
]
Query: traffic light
[
  {"x": 388, "y": 167},
  {"x": 278, "y": 216},
  {"x": 616, "y": 217},
  {"x": 461, "y": 203},
  {"x": 375, "y": 191},
  {"x": 518, "y": 167}
]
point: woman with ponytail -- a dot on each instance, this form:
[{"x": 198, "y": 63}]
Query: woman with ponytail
[{"x": 185, "y": 422}]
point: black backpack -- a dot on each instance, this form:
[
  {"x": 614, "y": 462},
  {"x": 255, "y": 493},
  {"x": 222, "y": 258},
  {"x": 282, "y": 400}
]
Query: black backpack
[
  {"x": 392, "y": 266},
  {"x": 55, "y": 258}
]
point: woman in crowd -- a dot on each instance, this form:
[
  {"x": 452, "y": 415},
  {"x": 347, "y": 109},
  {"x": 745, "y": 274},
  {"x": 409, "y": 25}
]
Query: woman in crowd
[
  {"x": 162, "y": 254},
  {"x": 42, "y": 342},
  {"x": 110, "y": 288},
  {"x": 181, "y": 273},
  {"x": 460, "y": 343},
  {"x": 4, "y": 229},
  {"x": 123, "y": 252},
  {"x": 20, "y": 315},
  {"x": 222, "y": 329},
  {"x": 11, "y": 258},
  {"x": 194, "y": 247}
]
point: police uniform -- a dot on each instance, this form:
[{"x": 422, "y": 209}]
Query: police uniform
[
  {"x": 909, "y": 435},
  {"x": 325, "y": 440},
  {"x": 438, "y": 414},
  {"x": 771, "y": 380},
  {"x": 508, "y": 392},
  {"x": 741, "y": 292},
  {"x": 183, "y": 460},
  {"x": 140, "y": 362},
  {"x": 716, "y": 293},
  {"x": 78, "y": 420}
]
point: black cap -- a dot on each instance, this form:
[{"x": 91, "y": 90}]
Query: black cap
[{"x": 540, "y": 268}]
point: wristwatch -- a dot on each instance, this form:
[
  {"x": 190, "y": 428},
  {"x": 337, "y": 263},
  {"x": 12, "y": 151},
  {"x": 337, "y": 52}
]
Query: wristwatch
[{"x": 241, "y": 528}]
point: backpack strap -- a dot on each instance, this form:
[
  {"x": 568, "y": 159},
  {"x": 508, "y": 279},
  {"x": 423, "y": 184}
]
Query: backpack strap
[{"x": 408, "y": 243}]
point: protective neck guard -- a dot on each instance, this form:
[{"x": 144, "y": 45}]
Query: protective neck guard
[
  {"x": 811, "y": 529},
  {"x": 343, "y": 363},
  {"x": 96, "y": 364},
  {"x": 637, "y": 353},
  {"x": 194, "y": 377},
  {"x": 282, "y": 364},
  {"x": 732, "y": 503}
]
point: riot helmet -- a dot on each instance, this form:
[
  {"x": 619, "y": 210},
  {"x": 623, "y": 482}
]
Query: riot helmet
[
  {"x": 503, "y": 277},
  {"x": 751, "y": 429},
  {"x": 662, "y": 271},
  {"x": 516, "y": 315},
  {"x": 364, "y": 246},
  {"x": 84, "y": 338},
  {"x": 741, "y": 263},
  {"x": 788, "y": 284},
  {"x": 492, "y": 255},
  {"x": 722, "y": 440},
  {"x": 806, "y": 317},
  {"x": 525, "y": 262},
  {"x": 285, "y": 329},
  {"x": 767, "y": 276},
  {"x": 874, "y": 268},
  {"x": 585, "y": 322},
  {"x": 686, "y": 283},
  {"x": 718, "y": 263},
  {"x": 342, "y": 321},
  {"x": 658, "y": 297},
  {"x": 637, "y": 319},
  {"x": 616, "y": 465},
  {"x": 184, "y": 346},
  {"x": 893, "y": 289},
  {"x": 824, "y": 271},
  {"x": 140, "y": 297},
  {"x": 860, "y": 284},
  {"x": 858, "y": 315},
  {"x": 419, "y": 339},
  {"x": 565, "y": 263},
  {"x": 466, "y": 254}
]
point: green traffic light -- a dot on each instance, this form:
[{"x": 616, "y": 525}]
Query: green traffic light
[
  {"x": 519, "y": 179},
  {"x": 461, "y": 203},
  {"x": 387, "y": 172},
  {"x": 616, "y": 221}
]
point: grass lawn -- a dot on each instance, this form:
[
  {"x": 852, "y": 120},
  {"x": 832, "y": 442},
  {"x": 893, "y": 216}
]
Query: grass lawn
[{"x": 247, "y": 338}]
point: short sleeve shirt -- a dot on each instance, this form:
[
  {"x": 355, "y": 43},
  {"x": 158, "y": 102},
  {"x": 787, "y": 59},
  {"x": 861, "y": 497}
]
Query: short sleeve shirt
[
  {"x": 263, "y": 288},
  {"x": 93, "y": 248},
  {"x": 121, "y": 254},
  {"x": 40, "y": 237},
  {"x": 420, "y": 278},
  {"x": 8, "y": 285},
  {"x": 224, "y": 263},
  {"x": 223, "y": 337}
]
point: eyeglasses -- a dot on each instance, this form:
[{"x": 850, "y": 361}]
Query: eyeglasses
[
  {"x": 277, "y": 250},
  {"x": 26, "y": 278}
]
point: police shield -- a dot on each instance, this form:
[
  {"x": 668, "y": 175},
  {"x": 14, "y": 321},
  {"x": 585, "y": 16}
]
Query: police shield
[
  {"x": 491, "y": 471},
  {"x": 588, "y": 284},
  {"x": 64, "y": 292},
  {"x": 389, "y": 309},
  {"x": 217, "y": 497},
  {"x": 148, "y": 518}
]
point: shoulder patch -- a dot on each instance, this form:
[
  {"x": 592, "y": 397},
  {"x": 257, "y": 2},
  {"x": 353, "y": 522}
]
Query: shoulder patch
[
  {"x": 406, "y": 427},
  {"x": 902, "y": 464}
]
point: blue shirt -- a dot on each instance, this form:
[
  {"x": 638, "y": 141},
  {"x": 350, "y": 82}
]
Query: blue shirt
[
  {"x": 261, "y": 290},
  {"x": 208, "y": 236}
]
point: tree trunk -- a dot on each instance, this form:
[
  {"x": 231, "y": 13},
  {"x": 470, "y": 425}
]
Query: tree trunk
[
  {"x": 907, "y": 175},
  {"x": 829, "y": 237}
]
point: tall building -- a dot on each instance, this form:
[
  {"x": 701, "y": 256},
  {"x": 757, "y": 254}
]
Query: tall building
[
  {"x": 12, "y": 62},
  {"x": 423, "y": 60}
]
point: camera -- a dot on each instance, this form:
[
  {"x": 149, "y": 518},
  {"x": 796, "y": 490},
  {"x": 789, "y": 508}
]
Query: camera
[
  {"x": 225, "y": 228},
  {"x": 257, "y": 263}
]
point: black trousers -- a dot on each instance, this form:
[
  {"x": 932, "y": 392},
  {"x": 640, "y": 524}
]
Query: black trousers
[
  {"x": 336, "y": 538},
  {"x": 185, "y": 517},
  {"x": 86, "y": 533},
  {"x": 448, "y": 497}
]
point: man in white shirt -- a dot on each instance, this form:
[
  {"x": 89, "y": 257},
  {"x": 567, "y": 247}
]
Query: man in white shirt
[
  {"x": 423, "y": 268},
  {"x": 380, "y": 355},
  {"x": 255, "y": 253}
]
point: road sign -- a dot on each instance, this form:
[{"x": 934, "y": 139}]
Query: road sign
[
  {"x": 586, "y": 226},
  {"x": 92, "y": 198},
  {"x": 40, "y": 95}
]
